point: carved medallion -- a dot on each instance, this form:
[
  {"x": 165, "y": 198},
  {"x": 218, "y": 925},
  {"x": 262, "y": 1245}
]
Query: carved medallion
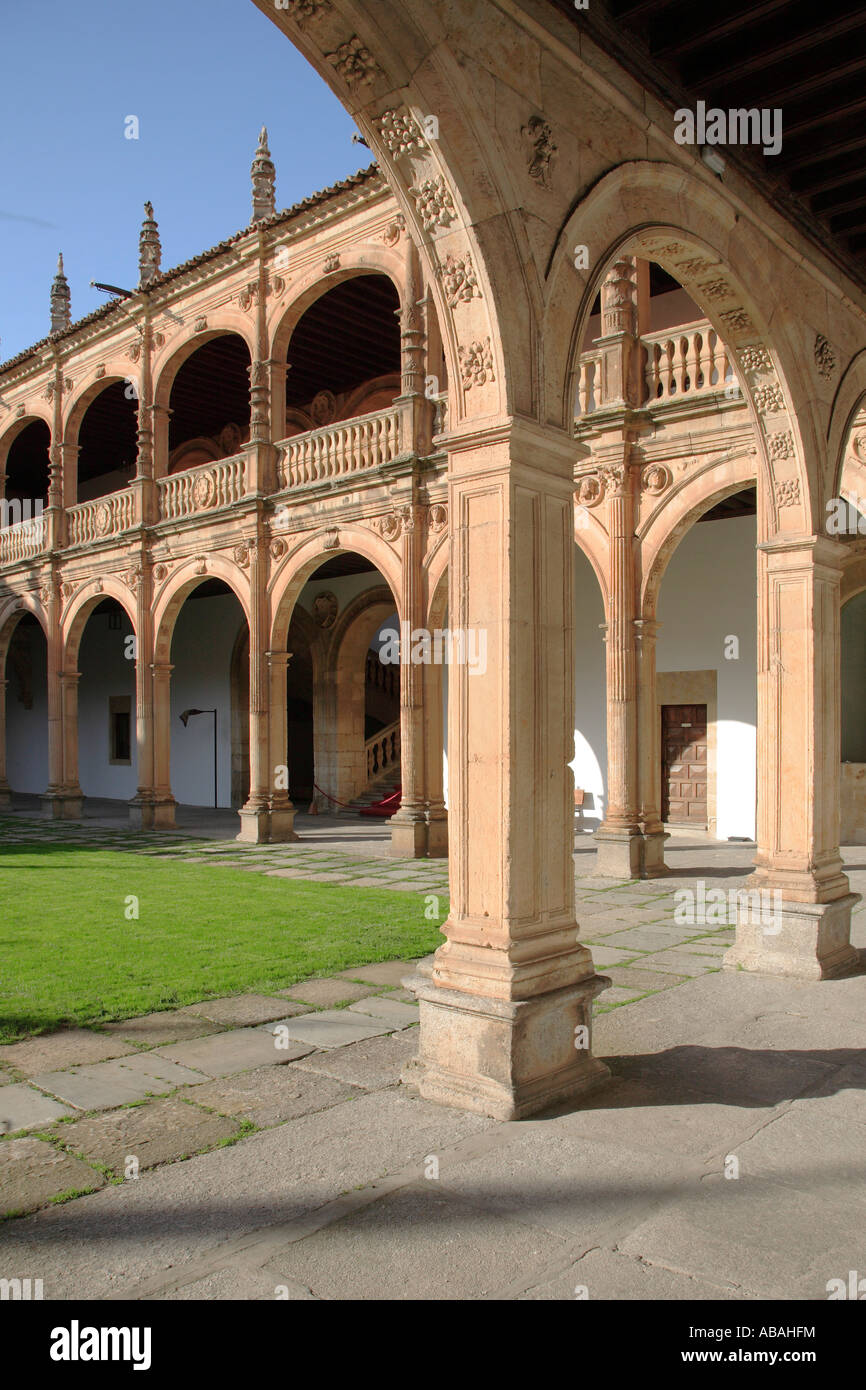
[
  {"x": 655, "y": 478},
  {"x": 203, "y": 491},
  {"x": 325, "y": 609},
  {"x": 323, "y": 408}
]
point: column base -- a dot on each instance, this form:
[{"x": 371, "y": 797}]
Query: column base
[
  {"x": 163, "y": 814},
  {"x": 437, "y": 836},
  {"x": 504, "y": 1058},
  {"x": 5, "y": 794},
  {"x": 62, "y": 805},
  {"x": 255, "y": 825},
  {"x": 653, "y": 854},
  {"x": 806, "y": 941},
  {"x": 408, "y": 837},
  {"x": 141, "y": 813},
  {"x": 619, "y": 853},
  {"x": 283, "y": 825}
]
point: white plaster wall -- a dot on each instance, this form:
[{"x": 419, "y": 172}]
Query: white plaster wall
[
  {"x": 707, "y": 595},
  {"x": 201, "y": 653},
  {"x": 27, "y": 730},
  {"x": 105, "y": 672},
  {"x": 590, "y": 717}
]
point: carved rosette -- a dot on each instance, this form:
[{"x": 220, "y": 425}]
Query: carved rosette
[
  {"x": 737, "y": 320},
  {"x": 696, "y": 266},
  {"x": 103, "y": 520},
  {"x": 354, "y": 62},
  {"x": 476, "y": 364},
  {"x": 400, "y": 132},
  {"x": 716, "y": 289},
  {"x": 769, "y": 399},
  {"x": 303, "y": 11},
  {"x": 434, "y": 203},
  {"x": 754, "y": 357},
  {"x": 459, "y": 280},
  {"x": 781, "y": 445},
  {"x": 787, "y": 492}
]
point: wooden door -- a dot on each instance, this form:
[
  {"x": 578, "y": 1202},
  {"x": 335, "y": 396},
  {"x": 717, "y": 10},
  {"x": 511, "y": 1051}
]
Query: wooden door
[{"x": 684, "y": 764}]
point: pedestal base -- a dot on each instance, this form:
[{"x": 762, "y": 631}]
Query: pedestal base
[
  {"x": 283, "y": 825},
  {"x": 437, "y": 836},
  {"x": 630, "y": 854},
  {"x": 62, "y": 805},
  {"x": 505, "y": 1058},
  {"x": 255, "y": 825},
  {"x": 5, "y": 794},
  {"x": 809, "y": 941},
  {"x": 141, "y": 813},
  {"x": 163, "y": 814},
  {"x": 408, "y": 837}
]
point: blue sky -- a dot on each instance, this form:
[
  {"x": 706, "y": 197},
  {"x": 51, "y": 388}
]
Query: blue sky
[{"x": 202, "y": 80}]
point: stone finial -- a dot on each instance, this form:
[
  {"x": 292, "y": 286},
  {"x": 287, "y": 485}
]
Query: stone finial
[
  {"x": 149, "y": 250},
  {"x": 264, "y": 180},
  {"x": 61, "y": 312}
]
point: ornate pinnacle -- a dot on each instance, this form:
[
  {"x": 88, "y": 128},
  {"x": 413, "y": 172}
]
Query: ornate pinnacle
[
  {"x": 264, "y": 180},
  {"x": 61, "y": 314},
  {"x": 149, "y": 250}
]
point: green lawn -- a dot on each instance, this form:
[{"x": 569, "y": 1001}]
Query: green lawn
[{"x": 68, "y": 954}]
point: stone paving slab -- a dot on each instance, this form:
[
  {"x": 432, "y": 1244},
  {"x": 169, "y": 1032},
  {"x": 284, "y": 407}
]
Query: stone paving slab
[
  {"x": 616, "y": 995},
  {"x": 160, "y": 1131},
  {"x": 238, "y": 1010},
  {"x": 32, "y": 1172},
  {"x": 606, "y": 955},
  {"x": 69, "y": 1048},
  {"x": 372, "y": 1064},
  {"x": 233, "y": 1284},
  {"x": 605, "y": 1274},
  {"x": 388, "y": 972},
  {"x": 154, "y": 1029},
  {"x": 681, "y": 962},
  {"x": 330, "y": 1028},
  {"x": 650, "y": 938},
  {"x": 389, "y": 1010},
  {"x": 419, "y": 1243},
  {"x": 326, "y": 993},
  {"x": 271, "y": 1095},
  {"x": 628, "y": 976},
  {"x": 106, "y": 1084},
  {"x": 241, "y": 1050},
  {"x": 21, "y": 1107}
]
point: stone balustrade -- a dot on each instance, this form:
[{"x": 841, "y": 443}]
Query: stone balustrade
[
  {"x": 23, "y": 541},
  {"x": 202, "y": 489},
  {"x": 104, "y": 517},
  {"x": 383, "y": 751},
  {"x": 684, "y": 361},
  {"x": 349, "y": 446}
]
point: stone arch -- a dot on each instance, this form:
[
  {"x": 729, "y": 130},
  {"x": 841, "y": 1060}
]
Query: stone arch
[
  {"x": 169, "y": 359},
  {"x": 704, "y": 244},
  {"x": 593, "y": 544},
  {"x": 175, "y": 588},
  {"x": 79, "y": 609},
  {"x": 297, "y": 564},
  {"x": 8, "y": 436},
  {"x": 849, "y": 401},
  {"x": 364, "y": 259},
  {"x": 436, "y": 579},
  {"x": 10, "y": 616},
  {"x": 75, "y": 409}
]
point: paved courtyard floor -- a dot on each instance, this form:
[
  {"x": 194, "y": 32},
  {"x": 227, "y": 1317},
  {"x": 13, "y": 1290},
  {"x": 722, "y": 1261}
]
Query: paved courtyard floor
[{"x": 260, "y": 1147}]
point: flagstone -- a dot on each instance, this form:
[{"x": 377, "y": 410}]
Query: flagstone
[
  {"x": 106, "y": 1084},
  {"x": 240, "y": 1050},
  {"x": 160, "y": 1131},
  {"x": 33, "y": 1171},
  {"x": 326, "y": 992},
  {"x": 391, "y": 1010},
  {"x": 271, "y": 1095},
  {"x": 371, "y": 1064},
  {"x": 171, "y": 1026},
  {"x": 238, "y": 1010},
  {"x": 329, "y": 1028},
  {"x": 387, "y": 972},
  {"x": 22, "y": 1107},
  {"x": 67, "y": 1048}
]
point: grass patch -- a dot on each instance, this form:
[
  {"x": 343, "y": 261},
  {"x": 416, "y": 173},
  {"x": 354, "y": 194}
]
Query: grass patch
[{"x": 71, "y": 956}]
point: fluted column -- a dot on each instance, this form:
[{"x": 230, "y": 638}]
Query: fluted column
[
  {"x": 163, "y": 801},
  {"x": 73, "y": 798},
  {"x": 433, "y": 730},
  {"x": 409, "y": 824},
  {"x": 618, "y": 837},
  {"x": 52, "y": 798},
  {"x": 141, "y": 807},
  {"x": 803, "y": 925},
  {"x": 649, "y": 751},
  {"x": 255, "y": 814}
]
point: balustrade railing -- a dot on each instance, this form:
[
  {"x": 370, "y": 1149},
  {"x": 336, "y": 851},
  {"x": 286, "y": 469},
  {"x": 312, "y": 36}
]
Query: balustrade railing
[
  {"x": 349, "y": 446},
  {"x": 100, "y": 519},
  {"x": 23, "y": 540},
  {"x": 202, "y": 489},
  {"x": 685, "y": 360},
  {"x": 588, "y": 396},
  {"x": 383, "y": 750}
]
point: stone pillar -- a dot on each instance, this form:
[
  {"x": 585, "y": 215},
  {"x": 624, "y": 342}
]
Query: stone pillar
[
  {"x": 255, "y": 814},
  {"x": 649, "y": 752},
  {"x": 69, "y": 473},
  {"x": 620, "y": 346},
  {"x": 433, "y": 729},
  {"x": 5, "y": 789},
  {"x": 506, "y": 1006},
  {"x": 141, "y": 807},
  {"x": 73, "y": 797},
  {"x": 804, "y": 919},
  {"x": 619, "y": 837},
  {"x": 282, "y": 811},
  {"x": 163, "y": 801},
  {"x": 409, "y": 824},
  {"x": 52, "y": 799}
]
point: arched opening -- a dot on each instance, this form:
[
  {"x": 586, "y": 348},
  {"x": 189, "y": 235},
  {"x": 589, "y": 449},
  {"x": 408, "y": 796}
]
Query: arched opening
[
  {"x": 24, "y": 739},
  {"x": 853, "y": 686},
  {"x": 210, "y": 686},
  {"x": 706, "y": 674},
  {"x": 590, "y": 715},
  {"x": 107, "y": 753},
  {"x": 359, "y": 318},
  {"x": 27, "y": 473},
  {"x": 108, "y": 442},
  {"x": 210, "y": 404}
]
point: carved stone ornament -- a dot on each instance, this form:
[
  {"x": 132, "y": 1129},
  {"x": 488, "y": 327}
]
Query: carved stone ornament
[
  {"x": 538, "y": 139},
  {"x": 332, "y": 539},
  {"x": 323, "y": 408},
  {"x": 48, "y": 393},
  {"x": 248, "y": 296},
  {"x": 755, "y": 358},
  {"x": 394, "y": 230},
  {"x": 278, "y": 548},
  {"x": 769, "y": 399},
  {"x": 332, "y": 263},
  {"x": 354, "y": 62},
  {"x": 200, "y": 324},
  {"x": 100, "y": 371},
  {"x": 787, "y": 492},
  {"x": 201, "y": 564},
  {"x": 458, "y": 280},
  {"x": 737, "y": 320},
  {"x": 230, "y": 440},
  {"x": 476, "y": 364},
  {"x": 98, "y": 586},
  {"x": 134, "y": 352},
  {"x": 858, "y": 444},
  {"x": 437, "y": 516},
  {"x": 203, "y": 491},
  {"x": 655, "y": 478},
  {"x": 590, "y": 490},
  {"x": 696, "y": 266},
  {"x": 715, "y": 289},
  {"x": 302, "y": 11},
  {"x": 325, "y": 609},
  {"x": 20, "y": 411},
  {"x": 434, "y": 203},
  {"x": 825, "y": 357},
  {"x": 389, "y": 526},
  {"x": 160, "y": 572},
  {"x": 132, "y": 579},
  {"x": 103, "y": 520},
  {"x": 781, "y": 446},
  {"x": 400, "y": 132},
  {"x": 241, "y": 556},
  {"x": 66, "y": 591}
]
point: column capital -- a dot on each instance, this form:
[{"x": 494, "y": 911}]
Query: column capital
[
  {"x": 161, "y": 668},
  {"x": 799, "y": 552}
]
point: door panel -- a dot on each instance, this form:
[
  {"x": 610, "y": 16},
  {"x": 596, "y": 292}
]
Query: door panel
[{"x": 684, "y": 764}]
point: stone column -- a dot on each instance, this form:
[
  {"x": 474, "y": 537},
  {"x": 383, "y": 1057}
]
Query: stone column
[
  {"x": 5, "y": 789},
  {"x": 255, "y": 814},
  {"x": 802, "y": 925},
  {"x": 506, "y": 1007},
  {"x": 649, "y": 752},
  {"x": 141, "y": 807},
  {"x": 409, "y": 824},
  {"x": 52, "y": 799},
  {"x": 282, "y": 811},
  {"x": 619, "y": 837},
  {"x": 433, "y": 729},
  {"x": 73, "y": 797},
  {"x": 69, "y": 473},
  {"x": 163, "y": 801}
]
